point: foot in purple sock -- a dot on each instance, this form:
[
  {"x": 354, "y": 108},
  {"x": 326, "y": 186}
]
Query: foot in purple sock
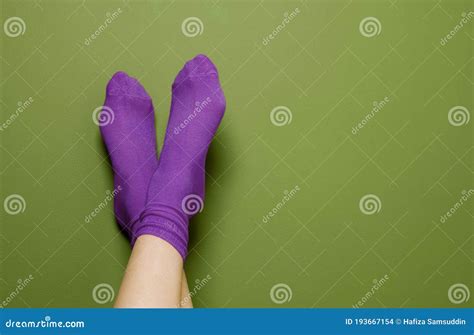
[
  {"x": 176, "y": 189},
  {"x": 129, "y": 135}
]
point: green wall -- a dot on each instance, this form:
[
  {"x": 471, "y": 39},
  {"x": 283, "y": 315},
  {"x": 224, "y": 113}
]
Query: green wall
[{"x": 328, "y": 72}]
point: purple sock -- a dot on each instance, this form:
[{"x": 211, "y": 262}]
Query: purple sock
[
  {"x": 127, "y": 126},
  {"x": 176, "y": 189}
]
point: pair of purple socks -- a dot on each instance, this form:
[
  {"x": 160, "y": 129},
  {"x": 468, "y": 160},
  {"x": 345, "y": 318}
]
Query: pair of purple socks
[{"x": 159, "y": 196}]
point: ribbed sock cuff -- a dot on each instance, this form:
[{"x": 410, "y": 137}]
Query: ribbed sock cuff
[{"x": 165, "y": 223}]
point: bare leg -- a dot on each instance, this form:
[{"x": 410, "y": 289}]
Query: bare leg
[
  {"x": 186, "y": 301},
  {"x": 153, "y": 277}
]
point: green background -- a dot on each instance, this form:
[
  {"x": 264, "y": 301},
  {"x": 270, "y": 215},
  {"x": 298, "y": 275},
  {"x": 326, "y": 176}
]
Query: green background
[{"x": 326, "y": 72}]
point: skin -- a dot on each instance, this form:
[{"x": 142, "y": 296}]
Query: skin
[
  {"x": 154, "y": 277},
  {"x": 185, "y": 297}
]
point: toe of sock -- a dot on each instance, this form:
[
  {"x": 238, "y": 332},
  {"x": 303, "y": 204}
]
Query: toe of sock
[
  {"x": 123, "y": 84},
  {"x": 199, "y": 66}
]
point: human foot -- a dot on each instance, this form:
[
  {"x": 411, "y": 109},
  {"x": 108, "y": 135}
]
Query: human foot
[
  {"x": 129, "y": 135},
  {"x": 176, "y": 189}
]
